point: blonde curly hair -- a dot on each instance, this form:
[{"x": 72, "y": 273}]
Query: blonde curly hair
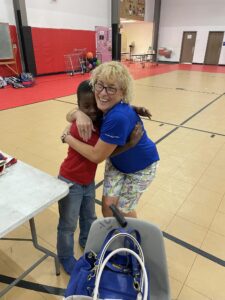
[{"x": 114, "y": 72}]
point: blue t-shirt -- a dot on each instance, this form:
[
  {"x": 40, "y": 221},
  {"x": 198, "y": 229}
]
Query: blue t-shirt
[{"x": 117, "y": 125}]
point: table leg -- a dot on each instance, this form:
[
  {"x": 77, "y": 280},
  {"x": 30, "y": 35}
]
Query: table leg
[{"x": 40, "y": 248}]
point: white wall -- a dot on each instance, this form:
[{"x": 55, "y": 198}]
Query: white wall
[
  {"x": 192, "y": 15},
  {"x": 73, "y": 14},
  {"x": 7, "y": 12},
  {"x": 140, "y": 33}
]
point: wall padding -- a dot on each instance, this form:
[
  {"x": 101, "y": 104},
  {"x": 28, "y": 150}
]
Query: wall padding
[{"x": 50, "y": 45}]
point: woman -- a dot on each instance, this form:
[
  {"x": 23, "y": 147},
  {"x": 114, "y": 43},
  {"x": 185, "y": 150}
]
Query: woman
[{"x": 128, "y": 174}]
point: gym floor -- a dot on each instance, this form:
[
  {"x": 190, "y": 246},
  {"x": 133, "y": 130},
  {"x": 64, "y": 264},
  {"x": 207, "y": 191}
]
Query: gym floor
[{"x": 186, "y": 200}]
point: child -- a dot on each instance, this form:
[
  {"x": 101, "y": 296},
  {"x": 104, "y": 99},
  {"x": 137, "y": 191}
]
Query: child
[{"x": 79, "y": 172}]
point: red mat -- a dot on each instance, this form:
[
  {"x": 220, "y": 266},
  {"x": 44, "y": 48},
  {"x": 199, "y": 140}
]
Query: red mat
[
  {"x": 56, "y": 86},
  {"x": 45, "y": 88}
]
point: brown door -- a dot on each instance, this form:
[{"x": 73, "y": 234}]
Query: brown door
[
  {"x": 188, "y": 46},
  {"x": 213, "y": 49}
]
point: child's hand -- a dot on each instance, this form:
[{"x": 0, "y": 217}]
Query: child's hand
[
  {"x": 142, "y": 111},
  {"x": 136, "y": 134},
  {"x": 65, "y": 133},
  {"x": 67, "y": 129}
]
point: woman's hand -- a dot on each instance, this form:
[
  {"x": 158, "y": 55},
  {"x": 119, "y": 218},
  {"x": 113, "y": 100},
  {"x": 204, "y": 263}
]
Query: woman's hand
[
  {"x": 84, "y": 125},
  {"x": 136, "y": 134},
  {"x": 142, "y": 111}
]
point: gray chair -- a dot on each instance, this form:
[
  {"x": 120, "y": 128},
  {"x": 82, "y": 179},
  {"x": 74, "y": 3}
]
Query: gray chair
[{"x": 153, "y": 248}]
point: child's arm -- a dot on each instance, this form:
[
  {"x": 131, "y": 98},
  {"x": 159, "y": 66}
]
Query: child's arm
[
  {"x": 134, "y": 138},
  {"x": 142, "y": 111}
]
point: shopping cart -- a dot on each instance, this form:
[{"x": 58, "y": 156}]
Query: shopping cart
[{"x": 75, "y": 62}]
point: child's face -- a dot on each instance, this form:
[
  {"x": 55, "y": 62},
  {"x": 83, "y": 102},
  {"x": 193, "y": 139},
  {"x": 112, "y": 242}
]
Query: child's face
[{"x": 88, "y": 106}]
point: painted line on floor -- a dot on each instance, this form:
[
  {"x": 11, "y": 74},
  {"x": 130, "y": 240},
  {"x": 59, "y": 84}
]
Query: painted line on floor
[
  {"x": 63, "y": 101},
  {"x": 186, "y": 127},
  {"x": 177, "y": 88},
  {"x": 99, "y": 184},
  {"x": 59, "y": 291},
  {"x": 187, "y": 245},
  {"x": 204, "y": 107},
  {"x": 182, "y": 243},
  {"x": 172, "y": 238},
  {"x": 188, "y": 119},
  {"x": 33, "y": 286},
  {"x": 203, "y": 253}
]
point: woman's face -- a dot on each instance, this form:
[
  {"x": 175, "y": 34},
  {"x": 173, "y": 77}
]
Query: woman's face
[{"x": 107, "y": 95}]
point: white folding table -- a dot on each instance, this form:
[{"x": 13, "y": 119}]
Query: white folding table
[
  {"x": 144, "y": 58},
  {"x": 24, "y": 192}
]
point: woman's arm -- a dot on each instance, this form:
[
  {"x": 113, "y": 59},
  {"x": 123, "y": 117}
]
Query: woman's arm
[
  {"x": 96, "y": 154},
  {"x": 104, "y": 149},
  {"x": 85, "y": 125}
]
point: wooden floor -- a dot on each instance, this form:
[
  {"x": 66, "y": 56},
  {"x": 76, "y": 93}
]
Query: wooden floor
[{"x": 186, "y": 200}]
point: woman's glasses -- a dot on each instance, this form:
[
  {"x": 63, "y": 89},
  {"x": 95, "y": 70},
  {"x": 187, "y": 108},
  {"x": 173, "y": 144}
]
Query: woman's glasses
[{"x": 98, "y": 87}]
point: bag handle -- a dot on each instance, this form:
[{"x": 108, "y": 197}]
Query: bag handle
[
  {"x": 113, "y": 238},
  {"x": 97, "y": 282},
  {"x": 120, "y": 230}
]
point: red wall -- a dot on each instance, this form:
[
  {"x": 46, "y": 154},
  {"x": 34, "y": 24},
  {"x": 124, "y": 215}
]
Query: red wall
[
  {"x": 50, "y": 45},
  {"x": 4, "y": 71}
]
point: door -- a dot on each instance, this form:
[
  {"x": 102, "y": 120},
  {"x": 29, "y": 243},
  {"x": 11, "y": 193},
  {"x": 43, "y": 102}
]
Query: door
[
  {"x": 124, "y": 42},
  {"x": 188, "y": 46},
  {"x": 213, "y": 48}
]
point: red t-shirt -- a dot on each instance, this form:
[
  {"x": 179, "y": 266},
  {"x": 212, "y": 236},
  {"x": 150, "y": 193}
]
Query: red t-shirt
[{"x": 76, "y": 167}]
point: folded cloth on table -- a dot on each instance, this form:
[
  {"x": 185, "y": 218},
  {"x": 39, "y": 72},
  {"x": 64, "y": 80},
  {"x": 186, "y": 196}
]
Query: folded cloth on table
[
  {"x": 9, "y": 160},
  {"x": 2, "y": 166}
]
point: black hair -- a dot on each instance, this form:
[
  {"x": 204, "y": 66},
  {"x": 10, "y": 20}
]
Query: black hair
[{"x": 83, "y": 88}]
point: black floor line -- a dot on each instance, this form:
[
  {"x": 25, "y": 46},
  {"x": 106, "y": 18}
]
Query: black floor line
[
  {"x": 176, "y": 240},
  {"x": 26, "y": 104},
  {"x": 178, "y": 88},
  {"x": 99, "y": 184},
  {"x": 188, "y": 119},
  {"x": 205, "y": 254},
  {"x": 200, "y": 110},
  {"x": 187, "y": 127},
  {"x": 56, "y": 99},
  {"x": 41, "y": 288},
  {"x": 60, "y": 291},
  {"x": 188, "y": 246}
]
